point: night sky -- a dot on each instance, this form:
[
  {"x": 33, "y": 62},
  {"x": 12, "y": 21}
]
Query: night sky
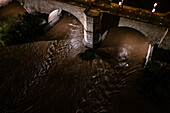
[{"x": 163, "y": 5}]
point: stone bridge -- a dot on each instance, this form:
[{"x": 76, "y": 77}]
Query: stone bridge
[{"x": 91, "y": 19}]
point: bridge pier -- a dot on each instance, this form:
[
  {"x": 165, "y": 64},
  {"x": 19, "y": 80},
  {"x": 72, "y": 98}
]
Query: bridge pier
[{"x": 92, "y": 28}]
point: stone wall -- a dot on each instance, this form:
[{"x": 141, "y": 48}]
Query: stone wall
[
  {"x": 4, "y": 2},
  {"x": 92, "y": 28},
  {"x": 109, "y": 21}
]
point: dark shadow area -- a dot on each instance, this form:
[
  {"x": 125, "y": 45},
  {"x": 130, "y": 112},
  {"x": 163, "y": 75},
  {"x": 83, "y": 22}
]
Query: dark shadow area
[
  {"x": 162, "y": 7},
  {"x": 109, "y": 21},
  {"x": 155, "y": 81},
  {"x": 22, "y": 29},
  {"x": 162, "y": 55}
]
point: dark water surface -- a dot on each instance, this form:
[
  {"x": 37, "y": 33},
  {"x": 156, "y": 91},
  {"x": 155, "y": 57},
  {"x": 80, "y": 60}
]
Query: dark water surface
[
  {"x": 14, "y": 9},
  {"x": 47, "y": 76}
]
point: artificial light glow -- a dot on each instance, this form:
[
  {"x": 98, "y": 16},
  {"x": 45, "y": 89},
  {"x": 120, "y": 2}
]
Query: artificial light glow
[
  {"x": 153, "y": 10},
  {"x": 155, "y": 4},
  {"x": 54, "y": 17},
  {"x": 85, "y": 36},
  {"x": 148, "y": 53},
  {"x": 120, "y": 3}
]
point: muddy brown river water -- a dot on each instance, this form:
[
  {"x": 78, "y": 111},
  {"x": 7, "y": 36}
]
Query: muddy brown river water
[{"x": 47, "y": 76}]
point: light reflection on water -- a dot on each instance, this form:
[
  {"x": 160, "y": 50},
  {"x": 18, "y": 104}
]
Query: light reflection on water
[
  {"x": 123, "y": 56},
  {"x": 123, "y": 48}
]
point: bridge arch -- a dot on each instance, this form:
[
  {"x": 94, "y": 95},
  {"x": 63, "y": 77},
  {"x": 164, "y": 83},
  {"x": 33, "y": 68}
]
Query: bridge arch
[
  {"x": 125, "y": 32},
  {"x": 131, "y": 30},
  {"x": 89, "y": 19},
  {"x": 154, "y": 33},
  {"x": 76, "y": 11}
]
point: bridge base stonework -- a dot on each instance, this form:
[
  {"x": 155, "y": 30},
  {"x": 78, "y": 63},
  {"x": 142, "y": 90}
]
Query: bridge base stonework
[{"x": 92, "y": 28}]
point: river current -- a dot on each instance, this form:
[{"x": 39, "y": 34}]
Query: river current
[{"x": 47, "y": 76}]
